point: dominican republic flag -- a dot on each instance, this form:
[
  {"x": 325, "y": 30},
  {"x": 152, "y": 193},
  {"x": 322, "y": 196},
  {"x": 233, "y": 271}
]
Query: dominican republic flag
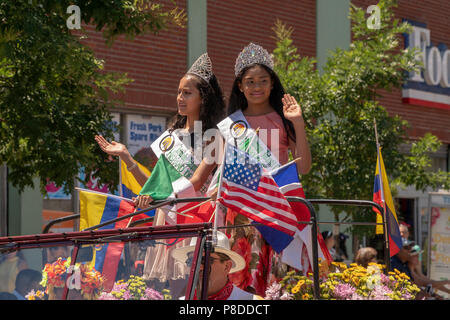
[
  {"x": 252, "y": 192},
  {"x": 382, "y": 196},
  {"x": 297, "y": 249},
  {"x": 286, "y": 177}
]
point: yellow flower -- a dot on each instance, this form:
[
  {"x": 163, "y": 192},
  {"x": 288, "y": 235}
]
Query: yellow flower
[
  {"x": 300, "y": 283},
  {"x": 305, "y": 296}
]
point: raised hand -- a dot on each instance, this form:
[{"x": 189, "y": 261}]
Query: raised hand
[
  {"x": 114, "y": 148},
  {"x": 291, "y": 109}
]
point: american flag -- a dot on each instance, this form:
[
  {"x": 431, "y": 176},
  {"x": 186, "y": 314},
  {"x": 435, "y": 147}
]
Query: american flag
[{"x": 246, "y": 189}]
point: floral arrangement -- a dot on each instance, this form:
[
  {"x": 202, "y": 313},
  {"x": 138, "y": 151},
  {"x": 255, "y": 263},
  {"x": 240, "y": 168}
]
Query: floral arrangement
[
  {"x": 339, "y": 282},
  {"x": 134, "y": 289},
  {"x": 55, "y": 275},
  {"x": 35, "y": 295}
]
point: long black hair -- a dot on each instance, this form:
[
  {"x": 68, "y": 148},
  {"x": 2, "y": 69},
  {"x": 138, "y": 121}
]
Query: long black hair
[
  {"x": 212, "y": 109},
  {"x": 239, "y": 101}
]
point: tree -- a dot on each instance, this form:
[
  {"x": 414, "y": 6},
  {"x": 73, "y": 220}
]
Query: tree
[
  {"x": 54, "y": 93},
  {"x": 340, "y": 106}
]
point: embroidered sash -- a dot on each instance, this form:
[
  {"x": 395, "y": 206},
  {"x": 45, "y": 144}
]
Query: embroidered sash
[
  {"x": 237, "y": 131},
  {"x": 179, "y": 156}
]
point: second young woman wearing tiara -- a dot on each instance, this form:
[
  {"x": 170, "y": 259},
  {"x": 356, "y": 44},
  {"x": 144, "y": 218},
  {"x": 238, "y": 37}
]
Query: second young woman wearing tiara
[{"x": 258, "y": 93}]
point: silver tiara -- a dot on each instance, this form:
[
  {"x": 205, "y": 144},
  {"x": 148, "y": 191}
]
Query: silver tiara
[
  {"x": 202, "y": 67},
  {"x": 252, "y": 54}
]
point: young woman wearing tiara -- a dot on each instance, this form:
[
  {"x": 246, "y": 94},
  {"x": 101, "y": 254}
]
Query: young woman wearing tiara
[
  {"x": 258, "y": 98},
  {"x": 199, "y": 98}
]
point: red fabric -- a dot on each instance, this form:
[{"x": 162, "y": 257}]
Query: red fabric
[
  {"x": 242, "y": 279},
  {"x": 224, "y": 293}
]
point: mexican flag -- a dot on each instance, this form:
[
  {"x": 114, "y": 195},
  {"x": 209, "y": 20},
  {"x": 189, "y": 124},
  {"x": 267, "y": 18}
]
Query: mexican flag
[{"x": 165, "y": 182}]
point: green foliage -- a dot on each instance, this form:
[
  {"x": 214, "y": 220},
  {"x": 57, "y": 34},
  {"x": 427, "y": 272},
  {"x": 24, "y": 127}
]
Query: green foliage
[
  {"x": 340, "y": 108},
  {"x": 54, "y": 93}
]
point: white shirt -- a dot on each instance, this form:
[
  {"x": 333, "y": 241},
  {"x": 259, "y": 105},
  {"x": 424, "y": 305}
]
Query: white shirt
[{"x": 238, "y": 294}]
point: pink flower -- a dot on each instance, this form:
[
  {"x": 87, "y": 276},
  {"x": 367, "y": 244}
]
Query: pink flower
[
  {"x": 343, "y": 291},
  {"x": 384, "y": 279},
  {"x": 381, "y": 293},
  {"x": 273, "y": 292},
  {"x": 127, "y": 295},
  {"x": 356, "y": 296},
  {"x": 151, "y": 294}
]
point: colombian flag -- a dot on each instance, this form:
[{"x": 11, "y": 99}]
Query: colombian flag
[
  {"x": 96, "y": 208},
  {"x": 382, "y": 196},
  {"x": 128, "y": 184},
  {"x": 129, "y": 187}
]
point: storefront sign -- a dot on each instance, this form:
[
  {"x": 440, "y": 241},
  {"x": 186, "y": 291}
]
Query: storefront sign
[
  {"x": 141, "y": 131},
  {"x": 431, "y": 85}
]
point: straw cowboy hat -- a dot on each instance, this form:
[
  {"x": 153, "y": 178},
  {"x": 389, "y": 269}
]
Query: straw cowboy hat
[{"x": 223, "y": 246}]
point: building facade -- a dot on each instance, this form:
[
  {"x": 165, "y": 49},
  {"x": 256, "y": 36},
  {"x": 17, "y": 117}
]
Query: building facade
[{"x": 223, "y": 28}]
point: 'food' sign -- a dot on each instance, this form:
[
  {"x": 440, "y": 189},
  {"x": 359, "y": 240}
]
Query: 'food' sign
[{"x": 429, "y": 86}]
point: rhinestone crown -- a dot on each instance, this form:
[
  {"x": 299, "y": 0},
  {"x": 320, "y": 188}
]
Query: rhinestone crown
[
  {"x": 202, "y": 67},
  {"x": 252, "y": 54}
]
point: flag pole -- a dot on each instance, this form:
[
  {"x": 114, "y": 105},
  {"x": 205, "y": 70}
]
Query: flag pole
[
  {"x": 387, "y": 250},
  {"x": 219, "y": 190},
  {"x": 120, "y": 178}
]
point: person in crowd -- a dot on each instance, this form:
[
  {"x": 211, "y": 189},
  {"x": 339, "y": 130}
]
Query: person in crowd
[
  {"x": 53, "y": 253},
  {"x": 400, "y": 260},
  {"x": 330, "y": 242},
  {"x": 7, "y": 296},
  {"x": 341, "y": 252},
  {"x": 222, "y": 263},
  {"x": 366, "y": 255},
  {"x": 421, "y": 280},
  {"x": 404, "y": 230},
  {"x": 10, "y": 265},
  {"x": 26, "y": 280}
]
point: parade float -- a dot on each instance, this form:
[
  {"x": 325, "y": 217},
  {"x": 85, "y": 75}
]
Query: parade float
[{"x": 73, "y": 276}]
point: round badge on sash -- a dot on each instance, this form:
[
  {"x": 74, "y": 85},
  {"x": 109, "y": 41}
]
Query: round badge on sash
[
  {"x": 166, "y": 143},
  {"x": 238, "y": 129}
]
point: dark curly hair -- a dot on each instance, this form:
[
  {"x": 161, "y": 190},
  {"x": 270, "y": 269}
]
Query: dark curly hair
[
  {"x": 239, "y": 101},
  {"x": 212, "y": 109}
]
